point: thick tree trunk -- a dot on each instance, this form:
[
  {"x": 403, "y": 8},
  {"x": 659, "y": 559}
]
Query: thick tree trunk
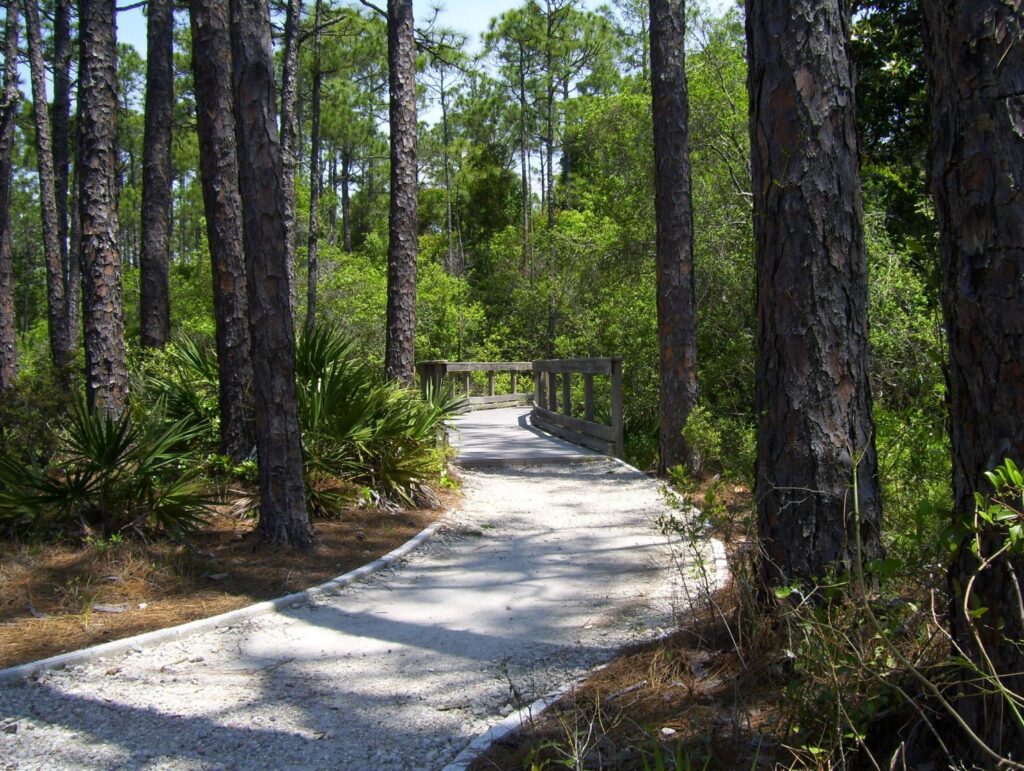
[
  {"x": 400, "y": 356},
  {"x": 61, "y": 120},
  {"x": 61, "y": 349},
  {"x": 8, "y": 112},
  {"x": 815, "y": 432},
  {"x": 154, "y": 261},
  {"x": 290, "y": 133},
  {"x": 283, "y": 517},
  {"x": 218, "y": 160},
  {"x": 346, "y": 201},
  {"x": 677, "y": 320},
  {"x": 315, "y": 176},
  {"x": 106, "y": 369},
  {"x": 976, "y": 58}
]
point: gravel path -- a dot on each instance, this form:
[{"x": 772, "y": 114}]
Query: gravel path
[{"x": 545, "y": 572}]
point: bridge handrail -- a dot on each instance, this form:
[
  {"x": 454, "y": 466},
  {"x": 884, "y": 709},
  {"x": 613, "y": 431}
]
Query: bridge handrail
[
  {"x": 434, "y": 371},
  {"x": 584, "y": 431}
]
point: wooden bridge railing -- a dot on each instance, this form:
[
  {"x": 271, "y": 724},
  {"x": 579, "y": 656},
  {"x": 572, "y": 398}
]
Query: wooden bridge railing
[
  {"x": 552, "y": 378},
  {"x": 433, "y": 372},
  {"x": 585, "y": 431}
]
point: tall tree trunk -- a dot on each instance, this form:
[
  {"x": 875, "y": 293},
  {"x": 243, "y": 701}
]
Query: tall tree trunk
[
  {"x": 61, "y": 119},
  {"x": 154, "y": 261},
  {"x": 400, "y": 356},
  {"x": 677, "y": 319},
  {"x": 283, "y": 517},
  {"x": 218, "y": 160},
  {"x": 346, "y": 202},
  {"x": 315, "y": 176},
  {"x": 106, "y": 369},
  {"x": 332, "y": 181},
  {"x": 61, "y": 349},
  {"x": 815, "y": 431},
  {"x": 524, "y": 166},
  {"x": 290, "y": 134},
  {"x": 976, "y": 58},
  {"x": 449, "y": 263},
  {"x": 8, "y": 112}
]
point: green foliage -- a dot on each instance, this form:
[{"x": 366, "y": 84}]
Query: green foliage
[{"x": 109, "y": 476}]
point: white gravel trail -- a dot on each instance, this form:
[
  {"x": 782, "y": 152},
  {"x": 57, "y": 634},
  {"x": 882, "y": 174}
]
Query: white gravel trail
[{"x": 544, "y": 572}]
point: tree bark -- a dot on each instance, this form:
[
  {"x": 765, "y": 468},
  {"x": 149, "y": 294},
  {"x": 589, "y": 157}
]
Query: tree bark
[
  {"x": 346, "y": 203},
  {"x": 61, "y": 349},
  {"x": 283, "y": 517},
  {"x": 400, "y": 356},
  {"x": 315, "y": 176},
  {"x": 154, "y": 261},
  {"x": 976, "y": 61},
  {"x": 524, "y": 166},
  {"x": 815, "y": 431},
  {"x": 61, "y": 119},
  {"x": 218, "y": 160},
  {"x": 290, "y": 133},
  {"x": 106, "y": 367},
  {"x": 8, "y": 112},
  {"x": 677, "y": 320}
]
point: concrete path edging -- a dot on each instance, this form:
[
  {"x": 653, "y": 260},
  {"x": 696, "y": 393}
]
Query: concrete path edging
[{"x": 86, "y": 655}]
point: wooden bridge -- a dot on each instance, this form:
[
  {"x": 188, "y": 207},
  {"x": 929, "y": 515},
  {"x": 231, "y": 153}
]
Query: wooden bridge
[{"x": 550, "y": 410}]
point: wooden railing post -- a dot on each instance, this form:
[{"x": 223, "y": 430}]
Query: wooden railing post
[
  {"x": 617, "y": 418},
  {"x": 553, "y": 392},
  {"x": 467, "y": 378},
  {"x": 490, "y": 382},
  {"x": 431, "y": 374},
  {"x": 588, "y": 397},
  {"x": 567, "y": 394},
  {"x": 514, "y": 391}
]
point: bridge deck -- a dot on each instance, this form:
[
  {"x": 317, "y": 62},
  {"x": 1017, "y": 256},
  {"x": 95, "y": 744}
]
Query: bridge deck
[{"x": 495, "y": 437}]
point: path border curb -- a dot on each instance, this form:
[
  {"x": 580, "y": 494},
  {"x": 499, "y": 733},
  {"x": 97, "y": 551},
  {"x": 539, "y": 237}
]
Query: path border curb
[{"x": 232, "y": 617}]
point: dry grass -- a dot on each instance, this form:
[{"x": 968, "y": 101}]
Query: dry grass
[{"x": 53, "y": 596}]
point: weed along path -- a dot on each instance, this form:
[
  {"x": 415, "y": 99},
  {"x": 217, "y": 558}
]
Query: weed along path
[{"x": 545, "y": 571}]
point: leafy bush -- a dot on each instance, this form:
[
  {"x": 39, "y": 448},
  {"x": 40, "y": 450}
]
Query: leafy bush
[{"x": 109, "y": 476}]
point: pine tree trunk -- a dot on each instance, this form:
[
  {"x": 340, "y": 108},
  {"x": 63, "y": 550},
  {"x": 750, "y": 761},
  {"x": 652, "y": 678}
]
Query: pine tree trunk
[
  {"x": 976, "y": 59},
  {"x": 315, "y": 177},
  {"x": 283, "y": 517},
  {"x": 290, "y": 133},
  {"x": 8, "y": 112},
  {"x": 346, "y": 202},
  {"x": 61, "y": 120},
  {"x": 61, "y": 349},
  {"x": 218, "y": 160},
  {"x": 106, "y": 369},
  {"x": 399, "y": 356},
  {"x": 815, "y": 431},
  {"x": 677, "y": 320},
  {"x": 524, "y": 166},
  {"x": 154, "y": 261}
]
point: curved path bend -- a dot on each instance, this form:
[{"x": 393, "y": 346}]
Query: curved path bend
[{"x": 545, "y": 571}]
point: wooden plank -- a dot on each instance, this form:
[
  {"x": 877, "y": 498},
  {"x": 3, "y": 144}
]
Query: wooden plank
[
  {"x": 600, "y": 366},
  {"x": 501, "y": 399},
  {"x": 492, "y": 366},
  {"x": 617, "y": 417},
  {"x": 584, "y": 427},
  {"x": 571, "y": 436},
  {"x": 567, "y": 394},
  {"x": 588, "y": 397}
]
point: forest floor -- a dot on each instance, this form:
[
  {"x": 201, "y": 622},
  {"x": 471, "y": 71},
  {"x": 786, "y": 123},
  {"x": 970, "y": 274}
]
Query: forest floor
[{"x": 60, "y": 597}]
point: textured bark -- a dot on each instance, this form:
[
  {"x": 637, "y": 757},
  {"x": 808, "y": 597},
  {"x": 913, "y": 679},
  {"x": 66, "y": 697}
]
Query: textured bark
[
  {"x": 283, "y": 517},
  {"x": 815, "y": 431},
  {"x": 61, "y": 119},
  {"x": 400, "y": 356},
  {"x": 61, "y": 349},
  {"x": 346, "y": 202},
  {"x": 976, "y": 58},
  {"x": 290, "y": 132},
  {"x": 315, "y": 176},
  {"x": 677, "y": 320},
  {"x": 8, "y": 112},
  {"x": 106, "y": 370},
  {"x": 524, "y": 164},
  {"x": 218, "y": 161},
  {"x": 154, "y": 260}
]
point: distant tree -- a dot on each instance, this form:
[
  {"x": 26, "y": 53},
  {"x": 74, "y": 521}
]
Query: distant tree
[
  {"x": 976, "y": 63},
  {"x": 154, "y": 259},
  {"x": 400, "y": 355},
  {"x": 8, "y": 112},
  {"x": 218, "y": 160},
  {"x": 677, "y": 319},
  {"x": 61, "y": 347},
  {"x": 283, "y": 516},
  {"x": 815, "y": 431},
  {"x": 106, "y": 369}
]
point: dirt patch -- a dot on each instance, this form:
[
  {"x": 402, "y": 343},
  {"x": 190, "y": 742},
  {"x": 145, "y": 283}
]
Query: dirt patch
[{"x": 56, "y": 598}]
